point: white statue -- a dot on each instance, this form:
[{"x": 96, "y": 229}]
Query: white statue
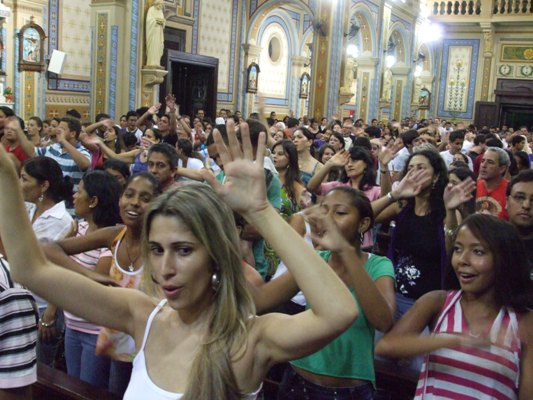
[
  {"x": 349, "y": 74},
  {"x": 387, "y": 85},
  {"x": 155, "y": 23},
  {"x": 416, "y": 90}
]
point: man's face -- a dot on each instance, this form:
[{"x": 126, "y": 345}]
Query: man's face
[
  {"x": 519, "y": 205},
  {"x": 63, "y": 126},
  {"x": 490, "y": 166},
  {"x": 159, "y": 166},
  {"x": 520, "y": 145},
  {"x": 523, "y": 131},
  {"x": 200, "y": 114},
  {"x": 456, "y": 146},
  {"x": 347, "y": 128},
  {"x": 132, "y": 121}
]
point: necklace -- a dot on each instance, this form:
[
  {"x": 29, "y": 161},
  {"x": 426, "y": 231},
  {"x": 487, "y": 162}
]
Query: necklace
[{"x": 130, "y": 267}]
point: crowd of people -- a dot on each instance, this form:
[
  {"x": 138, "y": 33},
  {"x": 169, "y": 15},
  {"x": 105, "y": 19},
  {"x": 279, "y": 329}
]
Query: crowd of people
[{"x": 150, "y": 253}]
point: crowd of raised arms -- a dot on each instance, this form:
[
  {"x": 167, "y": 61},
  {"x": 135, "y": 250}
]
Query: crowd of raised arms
[{"x": 167, "y": 256}]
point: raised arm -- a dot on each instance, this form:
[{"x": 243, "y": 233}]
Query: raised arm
[
  {"x": 127, "y": 157},
  {"x": 454, "y": 196},
  {"x": 82, "y": 161},
  {"x": 149, "y": 113},
  {"x": 25, "y": 143},
  {"x": 71, "y": 291},
  {"x": 281, "y": 337},
  {"x": 338, "y": 160}
]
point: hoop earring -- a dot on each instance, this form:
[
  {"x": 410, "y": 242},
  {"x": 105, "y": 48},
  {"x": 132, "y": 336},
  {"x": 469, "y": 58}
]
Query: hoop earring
[
  {"x": 215, "y": 282},
  {"x": 362, "y": 238}
]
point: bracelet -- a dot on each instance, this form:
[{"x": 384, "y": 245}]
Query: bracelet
[
  {"x": 391, "y": 197},
  {"x": 47, "y": 324}
]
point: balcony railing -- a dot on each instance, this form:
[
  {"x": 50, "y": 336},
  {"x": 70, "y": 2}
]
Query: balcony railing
[{"x": 478, "y": 7}]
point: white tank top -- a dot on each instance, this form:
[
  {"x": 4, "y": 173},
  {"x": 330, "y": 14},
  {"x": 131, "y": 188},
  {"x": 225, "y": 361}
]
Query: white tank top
[{"x": 141, "y": 387}]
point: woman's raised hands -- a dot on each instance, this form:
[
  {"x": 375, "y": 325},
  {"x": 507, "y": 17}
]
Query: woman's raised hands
[
  {"x": 244, "y": 187},
  {"x": 412, "y": 183},
  {"x": 324, "y": 231},
  {"x": 455, "y": 195}
]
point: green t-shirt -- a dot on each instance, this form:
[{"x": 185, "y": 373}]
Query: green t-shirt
[
  {"x": 274, "y": 198},
  {"x": 351, "y": 355}
]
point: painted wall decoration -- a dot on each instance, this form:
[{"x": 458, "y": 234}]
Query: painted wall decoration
[
  {"x": 516, "y": 53},
  {"x": 424, "y": 99},
  {"x": 458, "y": 78},
  {"x": 252, "y": 78},
  {"x": 31, "y": 47},
  {"x": 305, "y": 83}
]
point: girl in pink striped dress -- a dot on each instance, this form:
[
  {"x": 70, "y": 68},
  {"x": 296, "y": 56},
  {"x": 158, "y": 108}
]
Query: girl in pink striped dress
[{"x": 481, "y": 346}]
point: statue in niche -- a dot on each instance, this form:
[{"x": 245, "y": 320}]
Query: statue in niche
[
  {"x": 155, "y": 24},
  {"x": 386, "y": 92},
  {"x": 350, "y": 68},
  {"x": 487, "y": 37}
]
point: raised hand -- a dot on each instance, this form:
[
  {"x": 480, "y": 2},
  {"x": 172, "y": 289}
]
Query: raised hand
[
  {"x": 244, "y": 187},
  {"x": 385, "y": 155},
  {"x": 340, "y": 159},
  {"x": 155, "y": 108},
  {"x": 324, "y": 232},
  {"x": 455, "y": 195},
  {"x": 91, "y": 139},
  {"x": 412, "y": 184},
  {"x": 170, "y": 101}
]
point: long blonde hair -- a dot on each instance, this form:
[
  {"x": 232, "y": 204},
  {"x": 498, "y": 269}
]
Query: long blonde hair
[{"x": 211, "y": 221}]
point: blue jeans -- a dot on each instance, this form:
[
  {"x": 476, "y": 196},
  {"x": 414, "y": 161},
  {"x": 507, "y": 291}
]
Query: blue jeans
[
  {"x": 295, "y": 387},
  {"x": 82, "y": 361}
]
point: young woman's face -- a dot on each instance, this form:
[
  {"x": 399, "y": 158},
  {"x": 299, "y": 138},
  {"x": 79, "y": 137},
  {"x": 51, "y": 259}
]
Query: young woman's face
[
  {"x": 31, "y": 188},
  {"x": 120, "y": 178},
  {"x": 33, "y": 128},
  {"x": 180, "y": 263},
  {"x": 355, "y": 168},
  {"x": 163, "y": 124},
  {"x": 337, "y": 205},
  {"x": 335, "y": 142},
  {"x": 473, "y": 263},
  {"x": 135, "y": 200},
  {"x": 82, "y": 202},
  {"x": 328, "y": 153},
  {"x": 300, "y": 141},
  {"x": 421, "y": 162},
  {"x": 453, "y": 179},
  {"x": 278, "y": 136},
  {"x": 279, "y": 157},
  {"x": 149, "y": 135},
  {"x": 46, "y": 129}
]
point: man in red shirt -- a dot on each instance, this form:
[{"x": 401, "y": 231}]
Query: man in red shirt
[{"x": 491, "y": 193}]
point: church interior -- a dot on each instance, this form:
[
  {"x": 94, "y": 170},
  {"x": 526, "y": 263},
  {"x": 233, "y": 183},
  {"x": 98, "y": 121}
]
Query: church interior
[{"x": 384, "y": 59}]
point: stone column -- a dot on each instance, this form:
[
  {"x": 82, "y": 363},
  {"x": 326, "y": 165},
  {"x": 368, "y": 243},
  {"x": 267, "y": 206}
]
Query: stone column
[
  {"x": 298, "y": 68},
  {"x": 488, "y": 52},
  {"x": 321, "y": 71},
  {"x": 115, "y": 61},
  {"x": 251, "y": 54},
  {"x": 400, "y": 79},
  {"x": 366, "y": 76}
]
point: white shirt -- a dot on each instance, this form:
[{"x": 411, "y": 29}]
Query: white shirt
[
  {"x": 449, "y": 158},
  {"x": 399, "y": 161},
  {"x": 192, "y": 163},
  {"x": 53, "y": 224}
]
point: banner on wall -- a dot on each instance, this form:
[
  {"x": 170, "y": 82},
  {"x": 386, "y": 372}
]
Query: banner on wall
[{"x": 458, "y": 78}]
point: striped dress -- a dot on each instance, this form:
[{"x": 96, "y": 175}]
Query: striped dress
[{"x": 468, "y": 373}]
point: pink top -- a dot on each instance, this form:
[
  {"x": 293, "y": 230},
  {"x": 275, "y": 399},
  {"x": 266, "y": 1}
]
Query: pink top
[
  {"x": 468, "y": 373},
  {"x": 88, "y": 259},
  {"x": 371, "y": 192}
]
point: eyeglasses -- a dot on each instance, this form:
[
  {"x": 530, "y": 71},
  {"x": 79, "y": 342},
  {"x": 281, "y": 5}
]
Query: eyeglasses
[{"x": 521, "y": 198}]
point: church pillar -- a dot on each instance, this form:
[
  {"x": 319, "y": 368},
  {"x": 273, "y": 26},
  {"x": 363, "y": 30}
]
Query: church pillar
[
  {"x": 114, "y": 56},
  {"x": 326, "y": 58},
  {"x": 400, "y": 78},
  {"x": 366, "y": 74},
  {"x": 488, "y": 53},
  {"x": 251, "y": 54},
  {"x": 297, "y": 104}
]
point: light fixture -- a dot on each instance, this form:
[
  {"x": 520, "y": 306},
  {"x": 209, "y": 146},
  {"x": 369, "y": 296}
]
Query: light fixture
[
  {"x": 418, "y": 70},
  {"x": 430, "y": 32},
  {"x": 390, "y": 60},
  {"x": 352, "y": 51}
]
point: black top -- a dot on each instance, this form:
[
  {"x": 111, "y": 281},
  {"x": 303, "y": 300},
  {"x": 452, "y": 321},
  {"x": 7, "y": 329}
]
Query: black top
[{"x": 417, "y": 254}]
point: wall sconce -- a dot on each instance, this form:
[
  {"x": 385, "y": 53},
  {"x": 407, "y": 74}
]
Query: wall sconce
[
  {"x": 353, "y": 31},
  {"x": 421, "y": 57},
  {"x": 390, "y": 58}
]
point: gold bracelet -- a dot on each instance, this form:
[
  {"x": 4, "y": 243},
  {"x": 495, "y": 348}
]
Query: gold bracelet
[{"x": 449, "y": 232}]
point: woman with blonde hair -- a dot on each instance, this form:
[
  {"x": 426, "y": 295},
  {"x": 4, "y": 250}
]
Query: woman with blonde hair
[{"x": 202, "y": 341}]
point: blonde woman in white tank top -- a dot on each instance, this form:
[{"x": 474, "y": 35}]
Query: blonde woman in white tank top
[{"x": 204, "y": 340}]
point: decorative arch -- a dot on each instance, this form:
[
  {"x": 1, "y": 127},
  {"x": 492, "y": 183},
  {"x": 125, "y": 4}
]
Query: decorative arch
[
  {"x": 402, "y": 50},
  {"x": 281, "y": 20},
  {"x": 367, "y": 24},
  {"x": 266, "y": 9},
  {"x": 428, "y": 64}
]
